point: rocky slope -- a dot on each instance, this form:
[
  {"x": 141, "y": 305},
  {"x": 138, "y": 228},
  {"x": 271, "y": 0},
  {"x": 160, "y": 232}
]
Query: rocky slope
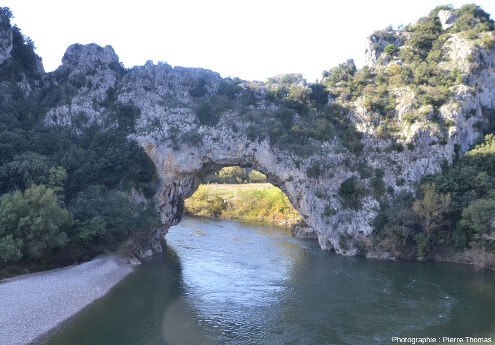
[{"x": 191, "y": 122}]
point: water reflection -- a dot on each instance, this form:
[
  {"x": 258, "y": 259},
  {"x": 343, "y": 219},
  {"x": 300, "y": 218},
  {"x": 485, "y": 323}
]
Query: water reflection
[{"x": 224, "y": 282}]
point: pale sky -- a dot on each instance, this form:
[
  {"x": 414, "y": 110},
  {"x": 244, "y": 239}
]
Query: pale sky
[{"x": 251, "y": 39}]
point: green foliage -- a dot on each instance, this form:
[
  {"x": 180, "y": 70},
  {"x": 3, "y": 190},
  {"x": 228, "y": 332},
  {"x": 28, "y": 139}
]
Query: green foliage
[
  {"x": 255, "y": 176},
  {"x": 489, "y": 114},
  {"x": 454, "y": 208},
  {"x": 314, "y": 171},
  {"x": 351, "y": 191},
  {"x": 391, "y": 49},
  {"x": 192, "y": 137},
  {"x": 6, "y": 15},
  {"x": 436, "y": 96},
  {"x": 473, "y": 20},
  {"x": 329, "y": 211},
  {"x": 106, "y": 215},
  {"x": 10, "y": 249},
  {"x": 24, "y": 170},
  {"x": 126, "y": 116},
  {"x": 24, "y": 60},
  {"x": 229, "y": 88},
  {"x": 35, "y": 220},
  {"x": 253, "y": 202},
  {"x": 431, "y": 209},
  {"x": 377, "y": 183},
  {"x": 207, "y": 115},
  {"x": 199, "y": 90},
  {"x": 426, "y": 31},
  {"x": 301, "y": 117},
  {"x": 479, "y": 217},
  {"x": 395, "y": 225},
  {"x": 344, "y": 240},
  {"x": 48, "y": 167},
  {"x": 482, "y": 156},
  {"x": 343, "y": 72}
]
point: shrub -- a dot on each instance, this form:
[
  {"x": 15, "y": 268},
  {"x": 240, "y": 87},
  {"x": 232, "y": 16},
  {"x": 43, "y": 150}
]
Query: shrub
[
  {"x": 207, "y": 115},
  {"x": 34, "y": 220},
  {"x": 391, "y": 50},
  {"x": 126, "y": 116},
  {"x": 479, "y": 217},
  {"x": 377, "y": 183},
  {"x": 192, "y": 137},
  {"x": 351, "y": 191},
  {"x": 314, "y": 171},
  {"x": 329, "y": 211},
  {"x": 200, "y": 89}
]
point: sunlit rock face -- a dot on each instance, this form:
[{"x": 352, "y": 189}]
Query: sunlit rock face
[
  {"x": 447, "y": 18},
  {"x": 185, "y": 146}
]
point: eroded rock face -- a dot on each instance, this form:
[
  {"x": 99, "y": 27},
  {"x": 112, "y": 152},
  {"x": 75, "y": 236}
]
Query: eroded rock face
[
  {"x": 375, "y": 44},
  {"x": 184, "y": 150},
  {"x": 447, "y": 18},
  {"x": 6, "y": 43}
]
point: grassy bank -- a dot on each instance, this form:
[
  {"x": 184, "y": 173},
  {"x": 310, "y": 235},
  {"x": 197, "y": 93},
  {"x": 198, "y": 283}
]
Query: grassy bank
[{"x": 261, "y": 202}]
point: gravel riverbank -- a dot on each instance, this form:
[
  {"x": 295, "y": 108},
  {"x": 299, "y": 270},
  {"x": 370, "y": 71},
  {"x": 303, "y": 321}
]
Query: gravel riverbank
[{"x": 32, "y": 304}]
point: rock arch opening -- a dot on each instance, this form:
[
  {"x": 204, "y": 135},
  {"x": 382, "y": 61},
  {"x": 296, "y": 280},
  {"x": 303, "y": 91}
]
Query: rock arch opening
[{"x": 241, "y": 193}]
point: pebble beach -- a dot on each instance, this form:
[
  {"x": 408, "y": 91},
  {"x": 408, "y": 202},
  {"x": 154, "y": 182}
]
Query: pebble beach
[{"x": 33, "y": 304}]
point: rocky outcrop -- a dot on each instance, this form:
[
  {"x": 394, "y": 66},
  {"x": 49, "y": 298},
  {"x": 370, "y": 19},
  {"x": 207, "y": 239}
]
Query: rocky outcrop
[
  {"x": 169, "y": 117},
  {"x": 6, "y": 43},
  {"x": 187, "y": 137},
  {"x": 375, "y": 44},
  {"x": 447, "y": 18},
  {"x": 303, "y": 231}
]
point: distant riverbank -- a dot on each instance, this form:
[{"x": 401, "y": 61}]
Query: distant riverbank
[
  {"x": 33, "y": 304},
  {"x": 259, "y": 202}
]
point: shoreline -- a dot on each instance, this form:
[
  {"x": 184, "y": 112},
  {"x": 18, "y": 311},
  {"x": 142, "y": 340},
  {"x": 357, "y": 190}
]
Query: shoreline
[{"x": 35, "y": 303}]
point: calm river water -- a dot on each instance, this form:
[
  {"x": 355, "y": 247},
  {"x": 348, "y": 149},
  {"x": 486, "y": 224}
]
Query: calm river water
[{"x": 227, "y": 282}]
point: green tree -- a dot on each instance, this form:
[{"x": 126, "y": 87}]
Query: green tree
[
  {"x": 24, "y": 170},
  {"x": 351, "y": 191},
  {"x": 479, "y": 217},
  {"x": 35, "y": 218},
  {"x": 431, "y": 209},
  {"x": 10, "y": 249},
  {"x": 57, "y": 179}
]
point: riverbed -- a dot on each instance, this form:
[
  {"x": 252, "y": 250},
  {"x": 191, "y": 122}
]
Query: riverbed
[{"x": 228, "y": 282}]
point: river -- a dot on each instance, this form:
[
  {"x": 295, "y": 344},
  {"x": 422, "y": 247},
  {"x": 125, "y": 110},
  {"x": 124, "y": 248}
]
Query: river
[{"x": 228, "y": 282}]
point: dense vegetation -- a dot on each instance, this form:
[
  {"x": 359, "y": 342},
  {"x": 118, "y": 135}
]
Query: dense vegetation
[
  {"x": 65, "y": 192},
  {"x": 455, "y": 209},
  {"x": 252, "y": 202}
]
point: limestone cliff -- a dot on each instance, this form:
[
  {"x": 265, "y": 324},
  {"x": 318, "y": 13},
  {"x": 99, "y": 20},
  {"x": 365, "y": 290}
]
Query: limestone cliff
[{"x": 192, "y": 122}]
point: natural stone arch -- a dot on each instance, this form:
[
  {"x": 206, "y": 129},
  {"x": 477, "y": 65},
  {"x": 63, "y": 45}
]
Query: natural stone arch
[
  {"x": 185, "y": 144},
  {"x": 180, "y": 178}
]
